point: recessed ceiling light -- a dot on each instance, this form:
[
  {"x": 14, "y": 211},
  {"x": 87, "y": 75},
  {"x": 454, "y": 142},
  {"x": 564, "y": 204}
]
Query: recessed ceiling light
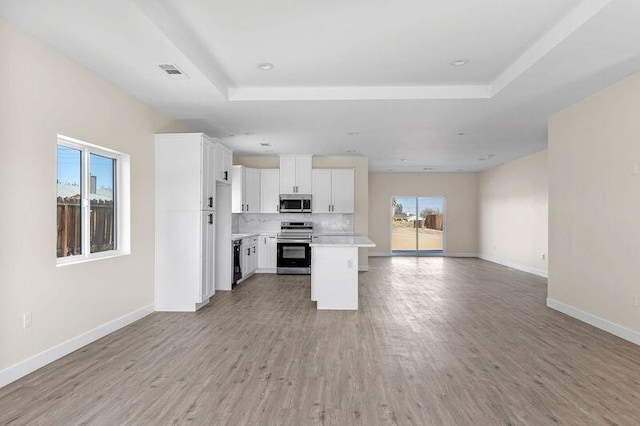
[
  {"x": 265, "y": 66},
  {"x": 265, "y": 144},
  {"x": 249, "y": 133},
  {"x": 389, "y": 170},
  {"x": 353, "y": 133},
  {"x": 427, "y": 169},
  {"x": 459, "y": 170},
  {"x": 460, "y": 133},
  {"x": 403, "y": 160},
  {"x": 351, "y": 151},
  {"x": 459, "y": 62},
  {"x": 231, "y": 135}
]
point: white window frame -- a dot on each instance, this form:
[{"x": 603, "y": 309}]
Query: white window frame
[{"x": 121, "y": 202}]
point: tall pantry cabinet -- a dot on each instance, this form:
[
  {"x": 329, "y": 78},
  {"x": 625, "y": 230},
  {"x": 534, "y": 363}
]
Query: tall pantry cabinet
[{"x": 186, "y": 202}]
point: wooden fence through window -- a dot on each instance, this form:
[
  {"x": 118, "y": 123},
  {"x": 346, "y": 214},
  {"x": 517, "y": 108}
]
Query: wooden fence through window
[{"x": 101, "y": 226}]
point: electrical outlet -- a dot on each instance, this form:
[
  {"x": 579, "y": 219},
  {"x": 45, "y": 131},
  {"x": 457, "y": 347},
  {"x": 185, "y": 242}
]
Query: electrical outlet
[
  {"x": 26, "y": 320},
  {"x": 544, "y": 256}
]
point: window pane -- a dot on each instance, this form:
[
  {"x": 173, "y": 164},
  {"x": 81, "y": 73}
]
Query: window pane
[
  {"x": 431, "y": 225},
  {"x": 101, "y": 198},
  {"x": 403, "y": 225},
  {"x": 69, "y": 214}
]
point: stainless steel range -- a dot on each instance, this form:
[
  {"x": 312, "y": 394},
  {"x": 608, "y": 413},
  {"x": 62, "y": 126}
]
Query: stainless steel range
[{"x": 294, "y": 253}]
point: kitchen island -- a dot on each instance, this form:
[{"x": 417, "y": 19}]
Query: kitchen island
[{"x": 334, "y": 270}]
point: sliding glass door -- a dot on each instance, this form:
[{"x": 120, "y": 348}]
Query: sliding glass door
[{"x": 417, "y": 225}]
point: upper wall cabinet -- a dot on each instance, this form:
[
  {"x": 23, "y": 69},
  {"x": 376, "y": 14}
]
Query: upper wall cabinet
[
  {"x": 224, "y": 159},
  {"x": 296, "y": 174},
  {"x": 187, "y": 175},
  {"x": 269, "y": 190},
  {"x": 333, "y": 191},
  {"x": 245, "y": 190}
]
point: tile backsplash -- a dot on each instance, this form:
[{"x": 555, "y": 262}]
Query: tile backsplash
[{"x": 246, "y": 223}]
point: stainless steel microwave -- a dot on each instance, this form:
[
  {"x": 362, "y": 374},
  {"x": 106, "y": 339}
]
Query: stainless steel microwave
[{"x": 295, "y": 203}]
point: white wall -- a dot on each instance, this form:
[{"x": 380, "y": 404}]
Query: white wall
[
  {"x": 513, "y": 200},
  {"x": 45, "y": 93},
  {"x": 594, "y": 207},
  {"x": 461, "y": 211}
]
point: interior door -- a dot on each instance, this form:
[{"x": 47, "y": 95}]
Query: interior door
[
  {"x": 321, "y": 194},
  {"x": 342, "y": 189}
]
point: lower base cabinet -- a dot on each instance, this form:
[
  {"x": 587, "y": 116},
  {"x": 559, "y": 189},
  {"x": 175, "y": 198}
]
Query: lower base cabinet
[
  {"x": 249, "y": 260},
  {"x": 268, "y": 253}
]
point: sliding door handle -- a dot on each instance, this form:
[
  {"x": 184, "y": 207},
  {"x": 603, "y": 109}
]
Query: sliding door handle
[
  {"x": 226, "y": 175},
  {"x": 210, "y": 218},
  {"x": 210, "y": 201}
]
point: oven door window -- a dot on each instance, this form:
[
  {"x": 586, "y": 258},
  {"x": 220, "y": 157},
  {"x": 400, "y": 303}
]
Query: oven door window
[
  {"x": 294, "y": 255},
  {"x": 294, "y": 252}
]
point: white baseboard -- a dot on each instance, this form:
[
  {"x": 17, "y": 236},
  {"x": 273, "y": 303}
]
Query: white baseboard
[
  {"x": 462, "y": 254},
  {"x": 21, "y": 369},
  {"x": 601, "y": 323},
  {"x": 387, "y": 254},
  {"x": 379, "y": 254},
  {"x": 524, "y": 268}
]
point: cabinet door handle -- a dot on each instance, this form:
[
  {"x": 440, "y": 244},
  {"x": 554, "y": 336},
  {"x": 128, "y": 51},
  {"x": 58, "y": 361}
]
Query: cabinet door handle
[
  {"x": 243, "y": 207},
  {"x": 226, "y": 175},
  {"x": 329, "y": 207},
  {"x": 210, "y": 218},
  {"x": 249, "y": 251},
  {"x": 210, "y": 201},
  {"x": 247, "y": 207},
  {"x": 254, "y": 250}
]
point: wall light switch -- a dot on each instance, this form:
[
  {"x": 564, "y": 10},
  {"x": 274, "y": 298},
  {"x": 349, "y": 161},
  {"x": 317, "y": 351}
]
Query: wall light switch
[
  {"x": 350, "y": 264},
  {"x": 26, "y": 320}
]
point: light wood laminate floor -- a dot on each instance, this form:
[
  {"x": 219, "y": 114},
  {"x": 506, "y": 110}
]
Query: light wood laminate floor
[{"x": 436, "y": 342}]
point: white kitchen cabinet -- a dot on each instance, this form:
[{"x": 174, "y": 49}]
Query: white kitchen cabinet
[
  {"x": 223, "y": 164},
  {"x": 245, "y": 185},
  {"x": 209, "y": 174},
  {"x": 267, "y": 253},
  {"x": 249, "y": 258},
  {"x": 333, "y": 191},
  {"x": 296, "y": 174},
  {"x": 185, "y": 184},
  {"x": 321, "y": 194},
  {"x": 269, "y": 190},
  {"x": 208, "y": 255},
  {"x": 343, "y": 191}
]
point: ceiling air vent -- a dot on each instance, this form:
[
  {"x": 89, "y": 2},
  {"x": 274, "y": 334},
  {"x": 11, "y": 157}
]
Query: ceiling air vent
[{"x": 173, "y": 71}]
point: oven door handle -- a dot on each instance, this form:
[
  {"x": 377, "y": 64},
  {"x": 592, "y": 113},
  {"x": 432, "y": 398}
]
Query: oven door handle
[{"x": 294, "y": 241}]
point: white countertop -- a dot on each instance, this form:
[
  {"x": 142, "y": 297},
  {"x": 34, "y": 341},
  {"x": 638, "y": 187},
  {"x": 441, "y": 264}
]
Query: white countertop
[
  {"x": 235, "y": 237},
  {"x": 341, "y": 241}
]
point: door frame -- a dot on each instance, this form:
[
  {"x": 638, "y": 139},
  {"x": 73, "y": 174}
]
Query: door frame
[{"x": 417, "y": 251}]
